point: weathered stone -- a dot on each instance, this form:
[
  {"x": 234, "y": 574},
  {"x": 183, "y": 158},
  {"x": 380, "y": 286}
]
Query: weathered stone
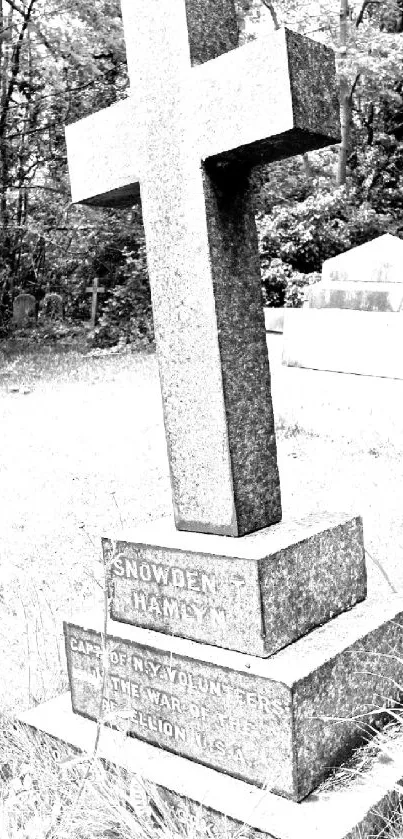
[
  {"x": 274, "y": 319},
  {"x": 24, "y": 309},
  {"x": 365, "y": 297},
  {"x": 354, "y": 804},
  {"x": 255, "y": 594},
  {"x": 212, "y": 29},
  {"x": 282, "y": 722},
  {"x": 200, "y": 232},
  {"x": 352, "y": 320},
  {"x": 344, "y": 341},
  {"x": 52, "y": 307},
  {"x": 102, "y": 157},
  {"x": 283, "y": 69},
  {"x": 189, "y": 137},
  {"x": 368, "y": 278},
  {"x": 377, "y": 261},
  {"x": 225, "y": 98}
]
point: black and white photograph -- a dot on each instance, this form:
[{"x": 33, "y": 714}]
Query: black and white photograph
[{"x": 201, "y": 419}]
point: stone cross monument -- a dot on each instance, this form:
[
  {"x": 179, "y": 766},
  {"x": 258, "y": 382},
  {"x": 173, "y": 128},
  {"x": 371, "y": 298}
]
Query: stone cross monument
[
  {"x": 250, "y": 655},
  {"x": 186, "y": 139}
]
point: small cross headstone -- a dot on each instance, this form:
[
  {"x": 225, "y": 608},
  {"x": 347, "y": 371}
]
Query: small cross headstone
[
  {"x": 95, "y": 290},
  {"x": 24, "y": 309}
]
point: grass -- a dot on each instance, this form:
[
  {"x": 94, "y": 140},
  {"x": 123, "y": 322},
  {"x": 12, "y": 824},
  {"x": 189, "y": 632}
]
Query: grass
[
  {"x": 45, "y": 794},
  {"x": 83, "y": 453}
]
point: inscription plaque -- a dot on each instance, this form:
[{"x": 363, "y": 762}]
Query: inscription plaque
[
  {"x": 280, "y": 722},
  {"x": 271, "y": 588}
]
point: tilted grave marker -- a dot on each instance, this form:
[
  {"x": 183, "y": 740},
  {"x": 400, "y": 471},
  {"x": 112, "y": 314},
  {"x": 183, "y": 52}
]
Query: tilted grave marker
[
  {"x": 200, "y": 232},
  {"x": 186, "y": 140}
]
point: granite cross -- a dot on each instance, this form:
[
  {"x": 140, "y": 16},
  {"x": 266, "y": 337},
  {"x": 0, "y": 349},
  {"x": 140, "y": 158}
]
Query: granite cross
[{"x": 201, "y": 112}]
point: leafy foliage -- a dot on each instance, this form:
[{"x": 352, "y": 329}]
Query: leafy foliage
[
  {"x": 282, "y": 285},
  {"x": 127, "y": 314},
  {"x": 321, "y": 226},
  {"x": 57, "y": 61},
  {"x": 63, "y": 59}
]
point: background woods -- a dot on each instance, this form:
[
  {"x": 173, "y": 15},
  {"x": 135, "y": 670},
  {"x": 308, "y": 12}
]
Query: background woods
[{"x": 62, "y": 60}]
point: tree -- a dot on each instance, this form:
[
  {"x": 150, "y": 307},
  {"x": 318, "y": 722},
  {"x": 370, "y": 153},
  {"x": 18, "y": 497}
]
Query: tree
[
  {"x": 63, "y": 59},
  {"x": 56, "y": 63}
]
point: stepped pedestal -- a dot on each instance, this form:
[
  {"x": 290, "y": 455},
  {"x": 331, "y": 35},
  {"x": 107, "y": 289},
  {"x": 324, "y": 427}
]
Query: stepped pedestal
[
  {"x": 281, "y": 723},
  {"x": 301, "y": 673},
  {"x": 352, "y": 806},
  {"x": 254, "y": 594}
]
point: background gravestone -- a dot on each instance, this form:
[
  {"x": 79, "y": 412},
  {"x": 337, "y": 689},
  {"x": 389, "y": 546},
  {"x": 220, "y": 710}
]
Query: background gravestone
[
  {"x": 52, "y": 306},
  {"x": 352, "y": 321},
  {"x": 24, "y": 309},
  {"x": 367, "y": 278}
]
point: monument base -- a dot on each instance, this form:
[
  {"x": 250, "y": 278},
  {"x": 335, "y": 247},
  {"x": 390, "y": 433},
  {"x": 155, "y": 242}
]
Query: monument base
[
  {"x": 274, "y": 319},
  {"x": 354, "y": 805},
  {"x": 345, "y": 341},
  {"x": 281, "y": 723},
  {"x": 254, "y": 594},
  {"x": 357, "y": 296}
]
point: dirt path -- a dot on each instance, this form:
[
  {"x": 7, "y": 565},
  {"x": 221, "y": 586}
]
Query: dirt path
[{"x": 84, "y": 448}]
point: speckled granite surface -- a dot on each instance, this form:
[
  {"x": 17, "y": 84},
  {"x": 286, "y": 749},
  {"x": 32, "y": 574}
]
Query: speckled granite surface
[
  {"x": 281, "y": 722},
  {"x": 255, "y": 594},
  {"x": 212, "y": 28},
  {"x": 189, "y": 135},
  {"x": 200, "y": 233},
  {"x": 245, "y": 369},
  {"x": 264, "y": 101},
  {"x": 315, "y": 99}
]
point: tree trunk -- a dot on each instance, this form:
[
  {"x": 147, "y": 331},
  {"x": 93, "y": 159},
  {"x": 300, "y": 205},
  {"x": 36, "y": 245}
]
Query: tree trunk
[
  {"x": 345, "y": 99},
  {"x": 5, "y": 24}
]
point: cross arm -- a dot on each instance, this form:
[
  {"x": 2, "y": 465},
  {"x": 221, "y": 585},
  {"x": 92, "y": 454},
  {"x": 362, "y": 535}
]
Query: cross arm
[
  {"x": 272, "y": 98},
  {"x": 102, "y": 158}
]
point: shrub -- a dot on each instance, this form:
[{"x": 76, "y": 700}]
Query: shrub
[
  {"x": 127, "y": 312},
  {"x": 282, "y": 285},
  {"x": 322, "y": 226}
]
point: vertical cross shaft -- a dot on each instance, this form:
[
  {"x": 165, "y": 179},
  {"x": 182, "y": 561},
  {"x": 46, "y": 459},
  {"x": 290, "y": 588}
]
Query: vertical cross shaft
[
  {"x": 95, "y": 290},
  {"x": 205, "y": 282}
]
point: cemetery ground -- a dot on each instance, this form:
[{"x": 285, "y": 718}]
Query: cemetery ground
[{"x": 83, "y": 454}]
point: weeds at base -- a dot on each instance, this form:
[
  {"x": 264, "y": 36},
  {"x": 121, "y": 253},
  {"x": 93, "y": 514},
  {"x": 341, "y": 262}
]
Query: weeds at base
[{"x": 40, "y": 780}]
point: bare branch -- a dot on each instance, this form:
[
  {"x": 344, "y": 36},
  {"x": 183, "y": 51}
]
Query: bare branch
[
  {"x": 23, "y": 12},
  {"x": 354, "y": 85},
  {"x": 33, "y": 131},
  {"x": 37, "y": 186},
  {"x": 77, "y": 88},
  {"x": 15, "y": 66},
  {"x": 270, "y": 7},
  {"x": 15, "y": 8},
  {"x": 363, "y": 9}
]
